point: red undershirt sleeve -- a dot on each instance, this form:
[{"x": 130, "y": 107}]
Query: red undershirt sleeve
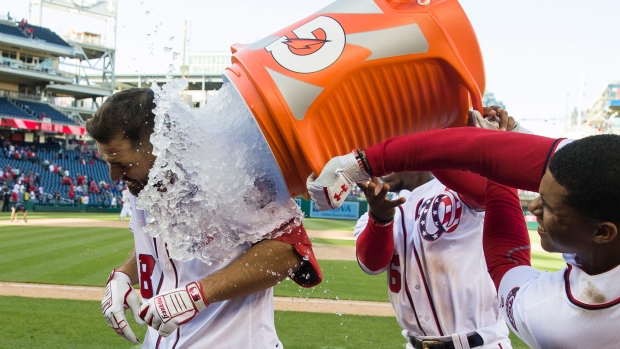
[
  {"x": 505, "y": 239},
  {"x": 375, "y": 246},
  {"x": 514, "y": 159},
  {"x": 471, "y": 187}
]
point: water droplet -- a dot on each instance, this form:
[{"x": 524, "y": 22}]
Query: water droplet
[
  {"x": 147, "y": 12},
  {"x": 167, "y": 49},
  {"x": 171, "y": 38},
  {"x": 148, "y": 35}
]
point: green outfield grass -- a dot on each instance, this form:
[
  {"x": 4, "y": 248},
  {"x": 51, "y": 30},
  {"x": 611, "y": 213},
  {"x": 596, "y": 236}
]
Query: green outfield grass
[
  {"x": 328, "y": 224},
  {"x": 80, "y": 215},
  {"x": 68, "y": 324}
]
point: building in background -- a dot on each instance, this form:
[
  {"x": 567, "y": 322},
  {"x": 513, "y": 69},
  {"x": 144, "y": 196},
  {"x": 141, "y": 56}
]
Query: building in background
[{"x": 489, "y": 99}]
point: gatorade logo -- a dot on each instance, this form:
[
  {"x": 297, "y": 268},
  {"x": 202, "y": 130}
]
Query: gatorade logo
[{"x": 317, "y": 45}]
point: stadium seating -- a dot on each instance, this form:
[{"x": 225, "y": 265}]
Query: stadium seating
[
  {"x": 11, "y": 30},
  {"x": 9, "y": 109},
  {"x": 52, "y": 182},
  {"x": 47, "y": 35},
  {"x": 38, "y": 108}
]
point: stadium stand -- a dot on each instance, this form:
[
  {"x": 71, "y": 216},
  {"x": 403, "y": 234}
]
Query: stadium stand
[
  {"x": 9, "y": 109},
  {"x": 46, "y": 35},
  {"x": 77, "y": 162},
  {"x": 11, "y": 30},
  {"x": 39, "y": 109}
]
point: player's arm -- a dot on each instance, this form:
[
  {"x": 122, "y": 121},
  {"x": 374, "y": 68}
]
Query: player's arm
[
  {"x": 130, "y": 267},
  {"x": 262, "y": 266},
  {"x": 375, "y": 244},
  {"x": 470, "y": 186},
  {"x": 514, "y": 159},
  {"x": 505, "y": 238}
]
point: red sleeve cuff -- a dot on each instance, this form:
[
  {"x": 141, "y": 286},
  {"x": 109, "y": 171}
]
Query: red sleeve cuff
[
  {"x": 375, "y": 246},
  {"x": 309, "y": 274}
]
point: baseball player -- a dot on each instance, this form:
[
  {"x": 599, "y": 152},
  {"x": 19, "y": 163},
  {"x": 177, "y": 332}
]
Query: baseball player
[
  {"x": 126, "y": 210},
  {"x": 578, "y": 182},
  {"x": 430, "y": 249},
  {"x": 19, "y": 207},
  {"x": 188, "y": 304}
]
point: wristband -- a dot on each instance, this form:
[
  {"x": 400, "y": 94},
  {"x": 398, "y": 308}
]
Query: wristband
[
  {"x": 380, "y": 222},
  {"x": 362, "y": 162}
]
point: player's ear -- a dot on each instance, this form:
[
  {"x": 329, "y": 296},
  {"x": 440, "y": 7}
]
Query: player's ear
[{"x": 605, "y": 232}]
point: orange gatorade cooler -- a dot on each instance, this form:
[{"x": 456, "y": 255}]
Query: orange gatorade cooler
[{"x": 356, "y": 73}]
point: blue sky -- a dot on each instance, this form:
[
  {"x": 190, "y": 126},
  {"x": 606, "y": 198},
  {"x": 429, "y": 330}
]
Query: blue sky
[{"x": 539, "y": 54}]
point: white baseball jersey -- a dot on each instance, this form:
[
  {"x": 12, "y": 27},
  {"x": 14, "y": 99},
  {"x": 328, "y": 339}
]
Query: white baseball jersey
[
  {"x": 585, "y": 308},
  {"x": 437, "y": 279},
  {"x": 243, "y": 322}
]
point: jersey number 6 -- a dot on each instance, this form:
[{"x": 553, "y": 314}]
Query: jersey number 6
[{"x": 394, "y": 278}]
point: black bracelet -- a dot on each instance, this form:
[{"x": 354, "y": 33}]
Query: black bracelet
[
  {"x": 361, "y": 159},
  {"x": 380, "y": 222}
]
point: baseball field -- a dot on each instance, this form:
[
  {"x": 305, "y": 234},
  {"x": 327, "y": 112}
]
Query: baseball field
[{"x": 52, "y": 271}]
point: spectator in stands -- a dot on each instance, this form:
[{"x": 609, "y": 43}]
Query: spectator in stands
[
  {"x": 57, "y": 196},
  {"x": 37, "y": 178},
  {"x": 113, "y": 202},
  {"x": 66, "y": 172},
  {"x": 93, "y": 188},
  {"x": 14, "y": 196},
  {"x": 79, "y": 179},
  {"x": 51, "y": 168},
  {"x": 85, "y": 199},
  {"x": 26, "y": 197},
  {"x": 66, "y": 181}
]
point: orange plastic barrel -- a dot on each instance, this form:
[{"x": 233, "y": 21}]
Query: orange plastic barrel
[{"x": 357, "y": 73}]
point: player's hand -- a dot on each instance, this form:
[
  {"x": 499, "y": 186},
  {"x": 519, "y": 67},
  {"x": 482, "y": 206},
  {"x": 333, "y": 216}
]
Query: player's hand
[
  {"x": 378, "y": 202},
  {"x": 339, "y": 175},
  {"x": 169, "y": 310},
  {"x": 120, "y": 296},
  {"x": 500, "y": 116}
]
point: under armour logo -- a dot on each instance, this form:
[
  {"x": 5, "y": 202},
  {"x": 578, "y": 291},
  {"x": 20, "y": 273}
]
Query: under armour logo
[{"x": 343, "y": 190}]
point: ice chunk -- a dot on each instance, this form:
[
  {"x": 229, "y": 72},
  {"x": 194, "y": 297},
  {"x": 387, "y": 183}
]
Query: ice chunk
[{"x": 215, "y": 183}]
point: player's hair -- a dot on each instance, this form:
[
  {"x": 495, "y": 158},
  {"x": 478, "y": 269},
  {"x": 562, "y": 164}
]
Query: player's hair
[
  {"x": 589, "y": 169},
  {"x": 128, "y": 112}
]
